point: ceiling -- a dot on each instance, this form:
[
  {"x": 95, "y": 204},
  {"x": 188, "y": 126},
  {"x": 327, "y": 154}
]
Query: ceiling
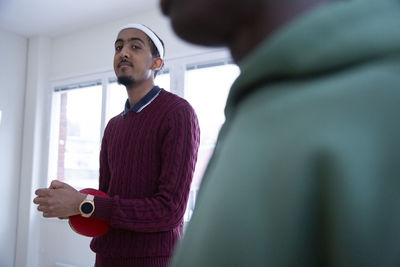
[{"x": 56, "y": 17}]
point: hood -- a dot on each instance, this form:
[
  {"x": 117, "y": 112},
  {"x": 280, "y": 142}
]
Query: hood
[{"x": 331, "y": 37}]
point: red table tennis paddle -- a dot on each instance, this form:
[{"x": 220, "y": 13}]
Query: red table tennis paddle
[{"x": 91, "y": 227}]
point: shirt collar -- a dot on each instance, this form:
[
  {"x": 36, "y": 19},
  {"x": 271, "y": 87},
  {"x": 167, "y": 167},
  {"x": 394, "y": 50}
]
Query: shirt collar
[{"x": 146, "y": 100}]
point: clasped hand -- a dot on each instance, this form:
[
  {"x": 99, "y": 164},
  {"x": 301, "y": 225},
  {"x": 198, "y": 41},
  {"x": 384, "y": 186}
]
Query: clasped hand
[{"x": 59, "y": 200}]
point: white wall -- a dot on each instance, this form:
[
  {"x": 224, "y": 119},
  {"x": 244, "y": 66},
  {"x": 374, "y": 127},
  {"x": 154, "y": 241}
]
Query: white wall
[
  {"x": 91, "y": 50},
  {"x": 13, "y": 53},
  {"x": 27, "y": 68},
  {"x": 34, "y": 153},
  {"x": 86, "y": 52}
]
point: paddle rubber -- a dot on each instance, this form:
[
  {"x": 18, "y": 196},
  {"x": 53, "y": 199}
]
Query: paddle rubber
[{"x": 91, "y": 227}]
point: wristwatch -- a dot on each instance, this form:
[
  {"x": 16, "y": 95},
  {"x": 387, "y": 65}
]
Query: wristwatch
[{"x": 86, "y": 207}]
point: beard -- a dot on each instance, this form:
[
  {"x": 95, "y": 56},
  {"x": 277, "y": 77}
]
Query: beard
[{"x": 126, "y": 81}]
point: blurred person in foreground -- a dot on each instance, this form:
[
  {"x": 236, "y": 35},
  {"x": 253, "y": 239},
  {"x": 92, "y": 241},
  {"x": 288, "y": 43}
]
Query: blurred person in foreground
[
  {"x": 306, "y": 168},
  {"x": 147, "y": 160}
]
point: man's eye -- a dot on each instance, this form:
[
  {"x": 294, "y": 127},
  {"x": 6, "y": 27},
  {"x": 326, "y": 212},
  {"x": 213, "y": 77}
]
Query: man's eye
[{"x": 135, "y": 47}]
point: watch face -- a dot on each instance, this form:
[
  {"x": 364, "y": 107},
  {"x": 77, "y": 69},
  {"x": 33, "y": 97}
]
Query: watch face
[{"x": 87, "y": 207}]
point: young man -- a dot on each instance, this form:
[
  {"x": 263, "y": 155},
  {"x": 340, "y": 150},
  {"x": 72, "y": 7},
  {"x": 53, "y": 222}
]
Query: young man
[
  {"x": 306, "y": 168},
  {"x": 147, "y": 160}
]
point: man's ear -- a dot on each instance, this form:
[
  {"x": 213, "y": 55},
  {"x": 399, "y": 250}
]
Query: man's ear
[{"x": 157, "y": 63}]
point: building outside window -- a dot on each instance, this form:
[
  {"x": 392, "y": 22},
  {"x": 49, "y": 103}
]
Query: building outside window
[{"x": 78, "y": 134}]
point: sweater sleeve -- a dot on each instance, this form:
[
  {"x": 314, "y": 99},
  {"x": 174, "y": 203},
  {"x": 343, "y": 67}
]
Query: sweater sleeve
[{"x": 164, "y": 210}]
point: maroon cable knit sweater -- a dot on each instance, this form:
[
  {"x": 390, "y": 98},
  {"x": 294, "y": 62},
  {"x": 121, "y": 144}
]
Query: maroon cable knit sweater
[{"x": 147, "y": 161}]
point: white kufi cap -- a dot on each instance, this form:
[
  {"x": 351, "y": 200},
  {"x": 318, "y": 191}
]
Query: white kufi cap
[{"x": 149, "y": 33}]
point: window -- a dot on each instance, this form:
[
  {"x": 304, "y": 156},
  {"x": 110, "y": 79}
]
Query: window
[
  {"x": 163, "y": 80},
  {"x": 77, "y": 127},
  {"x": 207, "y": 87},
  {"x": 78, "y": 131},
  {"x": 81, "y": 110}
]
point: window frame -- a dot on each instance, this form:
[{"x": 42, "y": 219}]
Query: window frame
[{"x": 176, "y": 67}]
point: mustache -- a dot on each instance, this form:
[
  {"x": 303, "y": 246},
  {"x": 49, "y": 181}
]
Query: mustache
[{"x": 125, "y": 62}]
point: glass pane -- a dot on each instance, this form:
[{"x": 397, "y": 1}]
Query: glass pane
[
  {"x": 116, "y": 100},
  {"x": 207, "y": 90},
  {"x": 79, "y": 137},
  {"x": 163, "y": 81}
]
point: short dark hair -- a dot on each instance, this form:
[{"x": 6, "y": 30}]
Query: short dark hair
[{"x": 154, "y": 51}]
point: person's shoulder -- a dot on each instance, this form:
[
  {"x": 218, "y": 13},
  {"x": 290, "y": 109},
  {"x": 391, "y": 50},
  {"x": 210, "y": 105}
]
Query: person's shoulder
[
  {"x": 335, "y": 108},
  {"x": 174, "y": 102},
  {"x": 167, "y": 95},
  {"x": 114, "y": 120},
  {"x": 364, "y": 86}
]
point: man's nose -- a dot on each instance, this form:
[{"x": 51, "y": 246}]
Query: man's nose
[{"x": 124, "y": 53}]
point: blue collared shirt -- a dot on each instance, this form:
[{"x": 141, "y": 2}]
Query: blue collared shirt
[{"x": 146, "y": 100}]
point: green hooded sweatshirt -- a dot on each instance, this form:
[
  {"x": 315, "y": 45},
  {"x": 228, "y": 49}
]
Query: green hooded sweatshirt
[{"x": 306, "y": 170}]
